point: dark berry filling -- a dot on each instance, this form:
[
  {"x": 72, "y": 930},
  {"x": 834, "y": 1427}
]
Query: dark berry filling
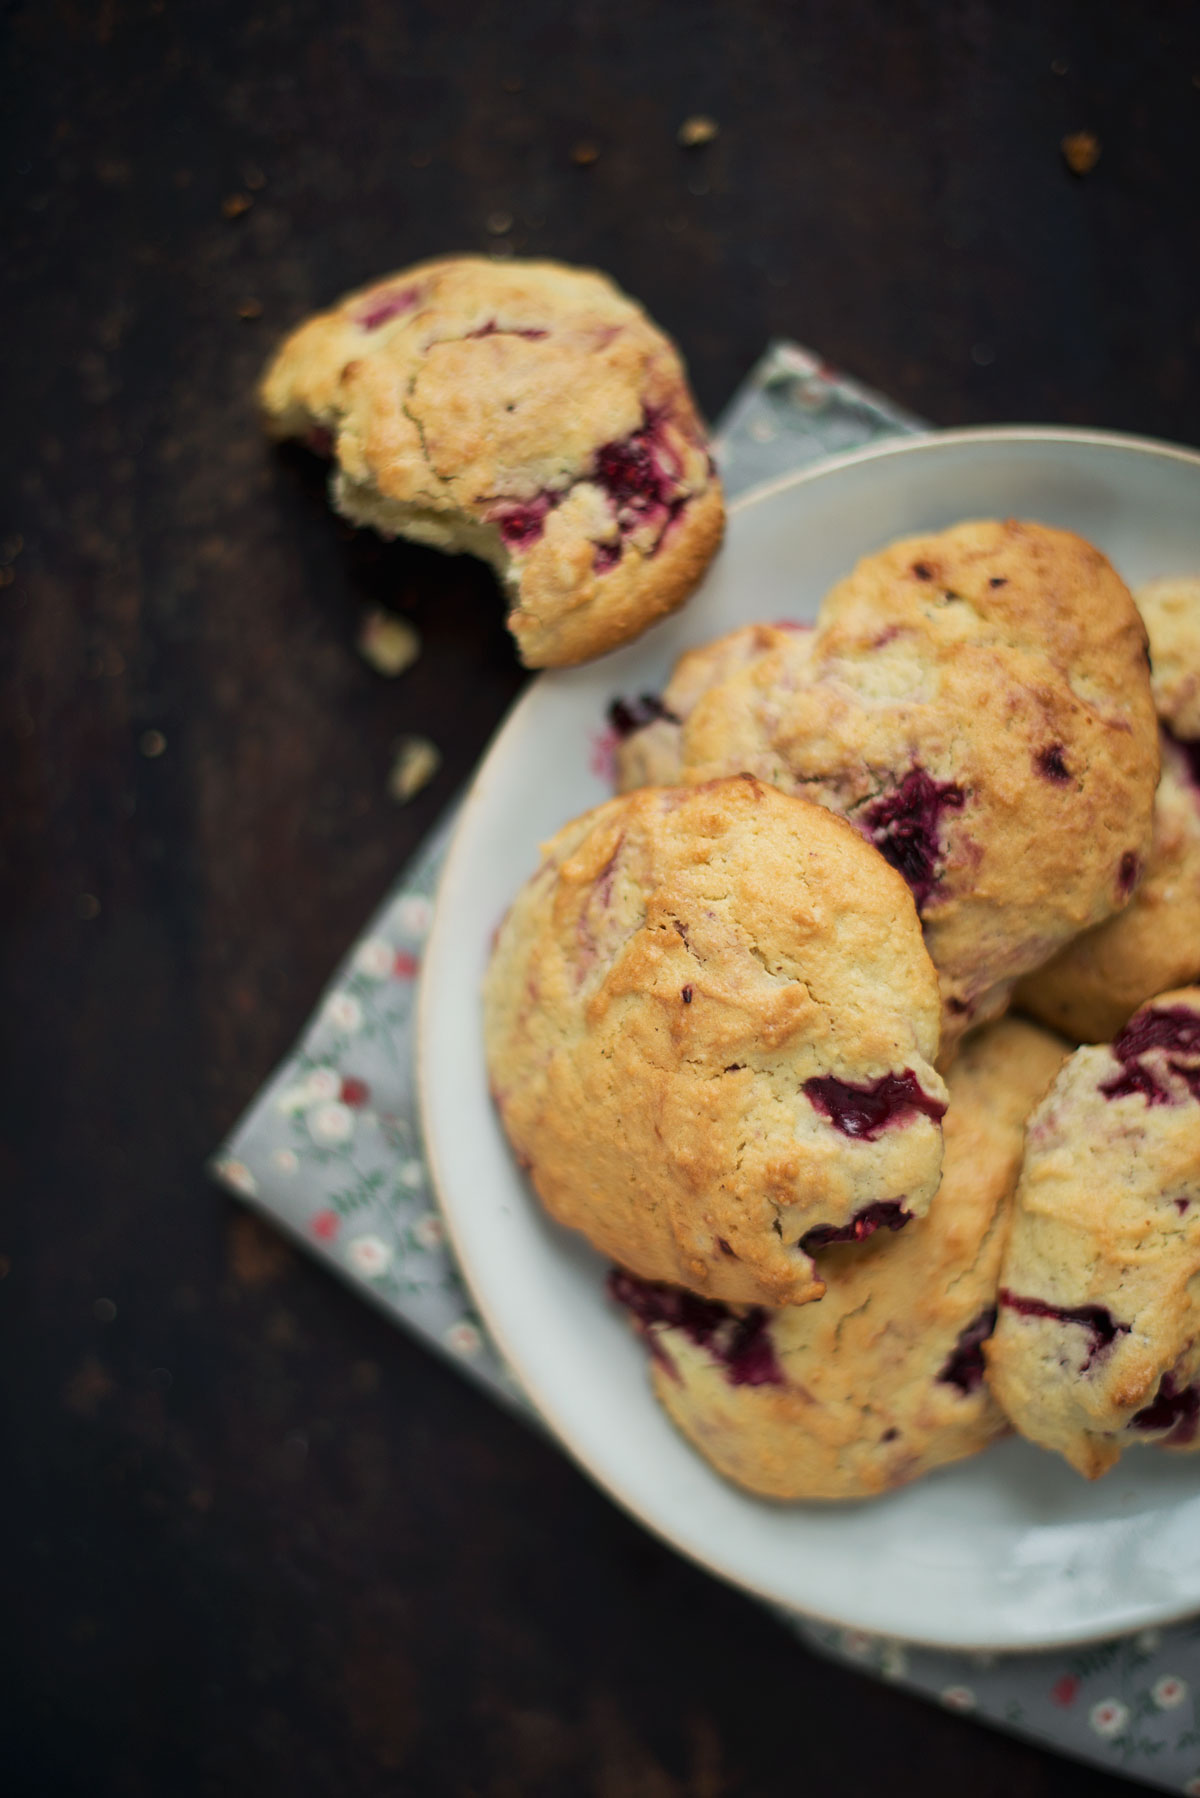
[
  {"x": 740, "y": 1343},
  {"x": 381, "y": 307},
  {"x": 320, "y": 440},
  {"x": 1173, "y": 1408},
  {"x": 1136, "y": 1081},
  {"x": 1098, "y": 1320},
  {"x": 1165, "y": 1028},
  {"x": 885, "y": 1214},
  {"x": 1128, "y": 872},
  {"x": 492, "y": 329},
  {"x": 905, "y": 826},
  {"x": 864, "y": 1111},
  {"x": 629, "y": 715},
  {"x": 607, "y": 556},
  {"x": 641, "y": 475},
  {"x": 1050, "y": 762},
  {"x": 964, "y": 1368},
  {"x": 522, "y": 522}
]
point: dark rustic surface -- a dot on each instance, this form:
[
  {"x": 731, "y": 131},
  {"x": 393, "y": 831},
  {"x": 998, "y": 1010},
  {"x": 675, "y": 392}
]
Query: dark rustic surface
[{"x": 429, "y": 1599}]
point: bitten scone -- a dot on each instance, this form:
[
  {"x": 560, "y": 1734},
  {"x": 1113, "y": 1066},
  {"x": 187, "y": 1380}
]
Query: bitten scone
[
  {"x": 883, "y": 1380},
  {"x": 528, "y": 413},
  {"x": 710, "y": 1022},
  {"x": 977, "y": 703},
  {"x": 1091, "y": 987},
  {"x": 1097, "y": 1344}
]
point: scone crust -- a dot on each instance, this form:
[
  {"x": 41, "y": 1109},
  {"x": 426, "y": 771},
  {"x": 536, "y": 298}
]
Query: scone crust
[
  {"x": 882, "y": 1380},
  {"x": 1106, "y": 1226},
  {"x": 1092, "y": 987},
  {"x": 978, "y": 703},
  {"x": 683, "y": 962},
  {"x": 527, "y": 412}
]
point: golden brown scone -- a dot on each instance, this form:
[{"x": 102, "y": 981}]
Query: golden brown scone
[
  {"x": 977, "y": 703},
  {"x": 1093, "y": 985},
  {"x": 1171, "y": 609},
  {"x": 883, "y": 1380},
  {"x": 710, "y": 1022},
  {"x": 1097, "y": 1345},
  {"x": 526, "y": 412}
]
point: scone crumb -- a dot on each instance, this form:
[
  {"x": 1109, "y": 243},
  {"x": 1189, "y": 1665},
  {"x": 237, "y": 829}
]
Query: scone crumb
[
  {"x": 388, "y": 643},
  {"x": 697, "y": 130},
  {"x": 1081, "y": 151},
  {"x": 416, "y": 762},
  {"x": 233, "y": 205},
  {"x": 585, "y": 152}
]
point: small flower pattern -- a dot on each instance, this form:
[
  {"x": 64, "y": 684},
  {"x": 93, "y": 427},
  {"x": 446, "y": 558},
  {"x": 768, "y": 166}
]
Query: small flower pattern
[
  {"x": 369, "y": 1255},
  {"x": 1109, "y": 1717},
  {"x": 332, "y": 1147}
]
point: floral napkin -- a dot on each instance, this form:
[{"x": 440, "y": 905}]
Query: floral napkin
[{"x": 331, "y": 1151}]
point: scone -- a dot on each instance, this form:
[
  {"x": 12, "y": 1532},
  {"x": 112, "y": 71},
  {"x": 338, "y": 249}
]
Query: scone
[
  {"x": 528, "y": 413},
  {"x": 1091, "y": 987},
  {"x": 977, "y": 703},
  {"x": 710, "y": 1023},
  {"x": 1098, "y": 1339},
  {"x": 883, "y": 1380}
]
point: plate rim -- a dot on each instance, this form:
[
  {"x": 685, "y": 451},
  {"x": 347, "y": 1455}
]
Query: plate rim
[{"x": 475, "y": 796}]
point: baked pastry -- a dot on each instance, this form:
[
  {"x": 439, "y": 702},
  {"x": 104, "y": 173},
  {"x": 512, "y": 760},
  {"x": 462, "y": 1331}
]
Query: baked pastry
[
  {"x": 883, "y": 1380},
  {"x": 1098, "y": 1339},
  {"x": 977, "y": 703},
  {"x": 710, "y": 1022},
  {"x": 1093, "y": 985},
  {"x": 528, "y": 413},
  {"x": 1171, "y": 609}
]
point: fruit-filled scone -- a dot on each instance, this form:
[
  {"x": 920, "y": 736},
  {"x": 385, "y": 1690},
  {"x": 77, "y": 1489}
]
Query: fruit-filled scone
[
  {"x": 1097, "y": 1344},
  {"x": 710, "y": 1062},
  {"x": 977, "y": 703},
  {"x": 1092, "y": 986},
  {"x": 883, "y": 1379},
  {"x": 528, "y": 413}
]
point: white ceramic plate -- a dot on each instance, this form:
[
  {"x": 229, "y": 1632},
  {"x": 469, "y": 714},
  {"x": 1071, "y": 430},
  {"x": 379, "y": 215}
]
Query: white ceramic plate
[{"x": 1008, "y": 1550}]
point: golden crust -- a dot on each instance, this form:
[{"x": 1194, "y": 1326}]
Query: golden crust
[
  {"x": 661, "y": 990},
  {"x": 992, "y": 676},
  {"x": 1093, "y": 986},
  {"x": 1171, "y": 609},
  {"x": 1106, "y": 1225},
  {"x": 524, "y": 411},
  {"x": 865, "y": 1403}
]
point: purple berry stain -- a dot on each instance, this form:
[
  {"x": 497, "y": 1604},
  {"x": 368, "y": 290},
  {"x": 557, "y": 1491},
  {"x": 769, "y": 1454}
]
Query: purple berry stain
[
  {"x": 863, "y": 1111},
  {"x": 739, "y": 1342},
  {"x": 629, "y": 715},
  {"x": 492, "y": 329},
  {"x": 1175, "y": 1409},
  {"x": 1097, "y": 1320},
  {"x": 641, "y": 475},
  {"x": 905, "y": 826},
  {"x": 1191, "y": 755},
  {"x": 379, "y": 308},
  {"x": 964, "y": 1366},
  {"x": 521, "y": 523},
  {"x": 884, "y": 1214},
  {"x": 1170, "y": 1030},
  {"x": 1128, "y": 872},
  {"x": 1052, "y": 766}
]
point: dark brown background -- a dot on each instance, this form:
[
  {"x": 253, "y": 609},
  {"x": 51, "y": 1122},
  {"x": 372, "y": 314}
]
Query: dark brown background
[{"x": 430, "y": 1600}]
